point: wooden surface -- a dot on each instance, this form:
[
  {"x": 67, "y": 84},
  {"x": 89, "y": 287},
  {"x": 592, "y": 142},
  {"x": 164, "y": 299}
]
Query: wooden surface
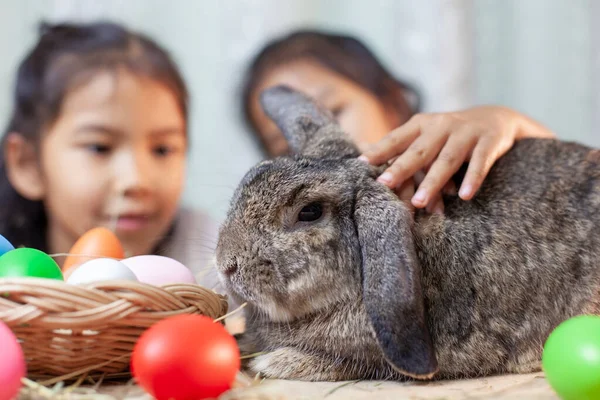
[{"x": 530, "y": 386}]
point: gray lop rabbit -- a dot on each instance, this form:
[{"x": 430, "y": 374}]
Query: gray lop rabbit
[{"x": 343, "y": 282}]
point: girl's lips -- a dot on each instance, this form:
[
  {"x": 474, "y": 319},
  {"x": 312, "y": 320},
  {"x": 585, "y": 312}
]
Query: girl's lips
[{"x": 130, "y": 223}]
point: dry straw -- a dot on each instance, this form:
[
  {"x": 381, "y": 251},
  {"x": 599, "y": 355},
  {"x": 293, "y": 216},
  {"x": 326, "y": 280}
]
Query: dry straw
[{"x": 69, "y": 330}]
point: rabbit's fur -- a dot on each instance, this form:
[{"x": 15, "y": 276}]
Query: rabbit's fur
[{"x": 371, "y": 291}]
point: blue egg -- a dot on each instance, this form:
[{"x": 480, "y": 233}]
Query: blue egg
[{"x": 5, "y": 245}]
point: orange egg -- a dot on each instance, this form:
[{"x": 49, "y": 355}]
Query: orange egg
[{"x": 95, "y": 243}]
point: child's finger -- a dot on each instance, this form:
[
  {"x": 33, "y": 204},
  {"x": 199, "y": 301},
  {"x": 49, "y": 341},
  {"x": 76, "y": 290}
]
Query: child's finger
[
  {"x": 418, "y": 155},
  {"x": 405, "y": 192},
  {"x": 393, "y": 144},
  {"x": 449, "y": 160},
  {"x": 450, "y": 188},
  {"x": 436, "y": 206},
  {"x": 418, "y": 177},
  {"x": 484, "y": 156}
]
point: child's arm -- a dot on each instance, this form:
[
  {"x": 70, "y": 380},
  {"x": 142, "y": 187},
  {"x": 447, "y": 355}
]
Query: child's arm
[{"x": 441, "y": 143}]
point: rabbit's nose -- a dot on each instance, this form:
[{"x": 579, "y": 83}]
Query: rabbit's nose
[{"x": 231, "y": 266}]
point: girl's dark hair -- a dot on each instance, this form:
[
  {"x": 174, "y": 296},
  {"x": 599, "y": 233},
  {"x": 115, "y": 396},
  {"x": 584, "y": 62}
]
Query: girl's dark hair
[
  {"x": 67, "y": 55},
  {"x": 343, "y": 54}
]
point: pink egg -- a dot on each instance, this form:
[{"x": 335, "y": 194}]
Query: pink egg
[
  {"x": 12, "y": 364},
  {"x": 159, "y": 270}
]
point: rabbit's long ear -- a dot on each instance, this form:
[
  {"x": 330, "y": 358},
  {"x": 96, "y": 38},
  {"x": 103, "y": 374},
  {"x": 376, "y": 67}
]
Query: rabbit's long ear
[
  {"x": 392, "y": 291},
  {"x": 310, "y": 129}
]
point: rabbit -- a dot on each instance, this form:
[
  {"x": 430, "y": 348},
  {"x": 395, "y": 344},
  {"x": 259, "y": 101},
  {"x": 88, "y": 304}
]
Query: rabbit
[{"x": 343, "y": 281}]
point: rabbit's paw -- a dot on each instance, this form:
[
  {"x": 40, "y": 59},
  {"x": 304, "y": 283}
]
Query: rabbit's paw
[
  {"x": 525, "y": 368},
  {"x": 527, "y": 362},
  {"x": 290, "y": 363}
]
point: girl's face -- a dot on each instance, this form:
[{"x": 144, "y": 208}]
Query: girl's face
[
  {"x": 115, "y": 157},
  {"x": 358, "y": 111}
]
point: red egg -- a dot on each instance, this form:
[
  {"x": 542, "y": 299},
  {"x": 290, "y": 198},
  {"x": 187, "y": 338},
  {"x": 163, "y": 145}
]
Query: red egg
[{"x": 185, "y": 357}]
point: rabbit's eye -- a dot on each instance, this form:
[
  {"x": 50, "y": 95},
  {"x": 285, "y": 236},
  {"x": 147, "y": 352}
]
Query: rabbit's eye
[{"x": 310, "y": 212}]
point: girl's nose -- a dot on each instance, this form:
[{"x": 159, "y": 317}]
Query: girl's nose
[{"x": 132, "y": 174}]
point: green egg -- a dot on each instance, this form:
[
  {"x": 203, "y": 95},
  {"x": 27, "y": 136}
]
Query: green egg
[
  {"x": 571, "y": 358},
  {"x": 28, "y": 262}
]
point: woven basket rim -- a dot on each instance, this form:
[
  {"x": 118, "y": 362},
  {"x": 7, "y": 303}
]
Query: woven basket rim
[{"x": 122, "y": 282}]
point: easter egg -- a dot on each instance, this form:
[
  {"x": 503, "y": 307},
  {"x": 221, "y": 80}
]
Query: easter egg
[
  {"x": 185, "y": 357},
  {"x": 571, "y": 358},
  {"x": 159, "y": 270},
  {"x": 12, "y": 364},
  {"x": 26, "y": 261},
  {"x": 100, "y": 269},
  {"x": 5, "y": 245},
  {"x": 95, "y": 243}
]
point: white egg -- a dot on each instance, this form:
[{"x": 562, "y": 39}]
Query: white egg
[{"x": 101, "y": 269}]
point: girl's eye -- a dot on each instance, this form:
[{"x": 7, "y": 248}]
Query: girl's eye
[
  {"x": 310, "y": 212},
  {"x": 99, "y": 148},
  {"x": 162, "y": 150},
  {"x": 337, "y": 111}
]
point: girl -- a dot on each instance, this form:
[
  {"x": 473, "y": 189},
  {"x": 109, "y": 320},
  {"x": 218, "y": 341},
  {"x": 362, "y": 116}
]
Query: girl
[
  {"x": 341, "y": 73},
  {"x": 98, "y": 137}
]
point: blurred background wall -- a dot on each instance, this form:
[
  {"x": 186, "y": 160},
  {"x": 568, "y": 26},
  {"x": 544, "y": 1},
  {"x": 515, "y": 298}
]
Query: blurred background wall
[{"x": 537, "y": 56}]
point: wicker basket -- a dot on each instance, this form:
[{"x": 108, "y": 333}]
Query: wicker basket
[{"x": 70, "y": 330}]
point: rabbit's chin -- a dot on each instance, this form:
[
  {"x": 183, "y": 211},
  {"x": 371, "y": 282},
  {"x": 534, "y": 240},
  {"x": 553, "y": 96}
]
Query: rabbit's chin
[
  {"x": 276, "y": 312},
  {"x": 261, "y": 303},
  {"x": 295, "y": 306},
  {"x": 269, "y": 307}
]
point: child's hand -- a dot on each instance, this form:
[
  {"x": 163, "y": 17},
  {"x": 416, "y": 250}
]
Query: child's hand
[{"x": 440, "y": 143}]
